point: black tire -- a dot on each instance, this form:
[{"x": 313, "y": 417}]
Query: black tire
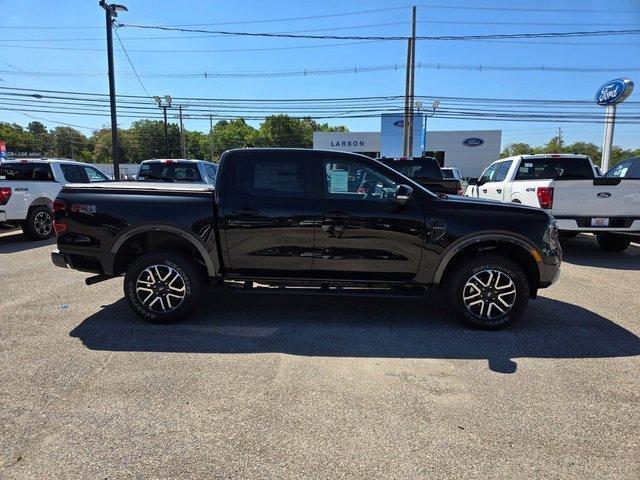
[
  {"x": 488, "y": 288},
  {"x": 158, "y": 300},
  {"x": 39, "y": 223},
  {"x": 612, "y": 242},
  {"x": 568, "y": 233}
]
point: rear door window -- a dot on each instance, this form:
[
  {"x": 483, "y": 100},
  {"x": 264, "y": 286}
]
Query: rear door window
[
  {"x": 623, "y": 169},
  {"x": 35, "y": 172},
  {"x": 554, "y": 168},
  {"x": 183, "y": 172},
  {"x": 73, "y": 173},
  {"x": 271, "y": 177}
]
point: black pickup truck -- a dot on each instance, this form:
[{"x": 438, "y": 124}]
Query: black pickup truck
[
  {"x": 301, "y": 219},
  {"x": 425, "y": 171}
]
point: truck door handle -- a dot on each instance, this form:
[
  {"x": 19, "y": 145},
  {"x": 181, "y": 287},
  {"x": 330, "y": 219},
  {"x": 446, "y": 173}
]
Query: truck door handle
[
  {"x": 246, "y": 211},
  {"x": 484, "y": 190},
  {"x": 498, "y": 190}
]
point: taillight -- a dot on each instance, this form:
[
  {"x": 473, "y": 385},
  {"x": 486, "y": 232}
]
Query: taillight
[
  {"x": 60, "y": 224},
  {"x": 5, "y": 195},
  {"x": 545, "y": 197}
]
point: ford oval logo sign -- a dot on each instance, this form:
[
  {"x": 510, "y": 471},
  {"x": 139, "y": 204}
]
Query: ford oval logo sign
[
  {"x": 473, "y": 142},
  {"x": 604, "y": 195},
  {"x": 615, "y": 91},
  {"x": 399, "y": 123}
]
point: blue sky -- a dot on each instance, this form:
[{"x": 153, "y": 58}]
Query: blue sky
[{"x": 621, "y": 51}]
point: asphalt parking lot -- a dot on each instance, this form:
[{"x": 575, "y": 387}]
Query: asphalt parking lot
[{"x": 275, "y": 386}]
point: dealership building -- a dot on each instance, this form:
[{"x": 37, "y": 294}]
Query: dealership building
[{"x": 469, "y": 150}]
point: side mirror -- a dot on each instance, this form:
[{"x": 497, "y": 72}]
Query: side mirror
[
  {"x": 403, "y": 194},
  {"x": 481, "y": 181},
  {"x": 472, "y": 181}
]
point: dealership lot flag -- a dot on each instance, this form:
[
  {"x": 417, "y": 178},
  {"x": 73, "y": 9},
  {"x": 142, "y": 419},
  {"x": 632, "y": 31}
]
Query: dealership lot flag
[{"x": 3, "y": 150}]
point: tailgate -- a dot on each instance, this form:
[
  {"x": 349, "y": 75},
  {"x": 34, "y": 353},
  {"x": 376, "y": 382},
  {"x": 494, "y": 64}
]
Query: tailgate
[{"x": 602, "y": 197}]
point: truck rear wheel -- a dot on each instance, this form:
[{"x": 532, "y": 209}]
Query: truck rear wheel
[
  {"x": 39, "y": 223},
  {"x": 612, "y": 242},
  {"x": 488, "y": 291},
  {"x": 162, "y": 287}
]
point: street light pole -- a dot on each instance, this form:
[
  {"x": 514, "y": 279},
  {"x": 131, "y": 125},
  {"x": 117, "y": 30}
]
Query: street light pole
[{"x": 111, "y": 11}]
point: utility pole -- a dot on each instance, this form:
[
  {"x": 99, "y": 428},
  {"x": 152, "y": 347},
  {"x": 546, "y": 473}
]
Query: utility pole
[
  {"x": 409, "y": 88},
  {"x": 560, "y": 136},
  {"x": 167, "y": 104},
  {"x": 111, "y": 11},
  {"x": 183, "y": 147},
  {"x": 211, "y": 134}
]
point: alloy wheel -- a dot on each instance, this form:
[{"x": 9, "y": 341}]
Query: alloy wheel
[
  {"x": 489, "y": 294},
  {"x": 43, "y": 223},
  {"x": 160, "y": 288}
]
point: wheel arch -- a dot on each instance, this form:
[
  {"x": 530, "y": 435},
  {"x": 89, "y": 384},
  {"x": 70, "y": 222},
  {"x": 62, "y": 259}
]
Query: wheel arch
[
  {"x": 519, "y": 250},
  {"x": 41, "y": 202},
  {"x": 158, "y": 235}
]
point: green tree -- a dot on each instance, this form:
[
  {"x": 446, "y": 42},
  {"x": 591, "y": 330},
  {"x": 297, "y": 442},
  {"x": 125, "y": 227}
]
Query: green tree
[
  {"x": 17, "y": 138},
  {"x": 233, "y": 134},
  {"x": 147, "y": 137},
  {"x": 518, "y": 148},
  {"x": 102, "y": 146},
  {"x": 585, "y": 148},
  {"x": 66, "y": 141}
]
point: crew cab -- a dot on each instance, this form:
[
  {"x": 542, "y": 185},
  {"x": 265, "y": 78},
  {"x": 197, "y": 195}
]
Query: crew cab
[
  {"x": 29, "y": 186},
  {"x": 568, "y": 187},
  {"x": 298, "y": 218},
  {"x": 178, "y": 170},
  {"x": 426, "y": 172}
]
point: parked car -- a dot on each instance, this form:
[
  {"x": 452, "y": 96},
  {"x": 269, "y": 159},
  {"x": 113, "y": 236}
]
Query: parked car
[
  {"x": 449, "y": 173},
  {"x": 297, "y": 217},
  {"x": 28, "y": 188},
  {"x": 178, "y": 170},
  {"x": 629, "y": 168},
  {"x": 426, "y": 172},
  {"x": 567, "y": 186}
]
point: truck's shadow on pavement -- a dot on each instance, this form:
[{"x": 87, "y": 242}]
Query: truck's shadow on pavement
[
  {"x": 12, "y": 242},
  {"x": 360, "y": 327},
  {"x": 584, "y": 250}
]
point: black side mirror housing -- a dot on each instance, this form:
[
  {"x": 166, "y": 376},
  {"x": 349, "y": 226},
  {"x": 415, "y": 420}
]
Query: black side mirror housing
[{"x": 403, "y": 194}]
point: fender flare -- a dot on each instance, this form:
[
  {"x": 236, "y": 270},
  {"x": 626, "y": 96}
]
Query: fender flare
[
  {"x": 213, "y": 266},
  {"x": 461, "y": 244}
]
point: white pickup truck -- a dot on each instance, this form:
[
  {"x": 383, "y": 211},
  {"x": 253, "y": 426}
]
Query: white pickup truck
[
  {"x": 568, "y": 186},
  {"x": 28, "y": 188}
]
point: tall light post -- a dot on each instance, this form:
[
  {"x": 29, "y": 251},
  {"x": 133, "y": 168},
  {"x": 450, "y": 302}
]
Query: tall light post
[
  {"x": 111, "y": 11},
  {"x": 434, "y": 107},
  {"x": 167, "y": 104}
]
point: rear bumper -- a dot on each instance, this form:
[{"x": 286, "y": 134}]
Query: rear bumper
[
  {"x": 3, "y": 216},
  {"x": 92, "y": 262},
  {"x": 583, "y": 224}
]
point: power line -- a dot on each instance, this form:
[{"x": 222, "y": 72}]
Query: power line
[
  {"x": 131, "y": 63},
  {"x": 593, "y": 33}
]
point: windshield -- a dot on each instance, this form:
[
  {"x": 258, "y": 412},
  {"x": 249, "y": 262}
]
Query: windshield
[
  {"x": 448, "y": 174},
  {"x": 416, "y": 169},
  {"x": 169, "y": 172},
  {"x": 555, "y": 168}
]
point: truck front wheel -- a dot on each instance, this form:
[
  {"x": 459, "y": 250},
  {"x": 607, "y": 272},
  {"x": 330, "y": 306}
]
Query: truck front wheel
[
  {"x": 162, "y": 287},
  {"x": 488, "y": 291},
  {"x": 612, "y": 242}
]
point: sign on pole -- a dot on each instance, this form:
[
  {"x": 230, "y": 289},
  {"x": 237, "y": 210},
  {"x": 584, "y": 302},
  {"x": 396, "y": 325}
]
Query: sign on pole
[{"x": 609, "y": 95}]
